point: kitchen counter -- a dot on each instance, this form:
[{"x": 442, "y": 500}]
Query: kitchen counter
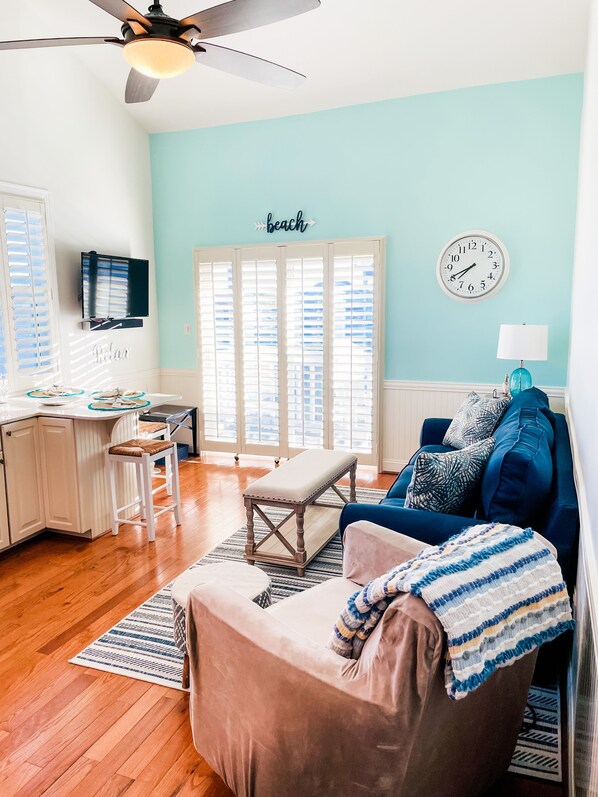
[
  {"x": 53, "y": 461},
  {"x": 17, "y": 409}
]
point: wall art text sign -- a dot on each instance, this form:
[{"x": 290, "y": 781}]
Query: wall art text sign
[
  {"x": 109, "y": 353},
  {"x": 298, "y": 223}
]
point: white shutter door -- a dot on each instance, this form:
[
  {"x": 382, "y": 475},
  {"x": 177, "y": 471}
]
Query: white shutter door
[
  {"x": 305, "y": 346},
  {"x": 260, "y": 350},
  {"x": 355, "y": 345},
  {"x": 29, "y": 294},
  {"x": 217, "y": 350}
]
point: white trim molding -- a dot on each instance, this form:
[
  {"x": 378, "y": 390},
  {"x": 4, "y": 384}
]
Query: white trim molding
[{"x": 582, "y": 704}]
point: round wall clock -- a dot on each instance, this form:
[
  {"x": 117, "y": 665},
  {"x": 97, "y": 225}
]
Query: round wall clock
[{"x": 472, "y": 266}]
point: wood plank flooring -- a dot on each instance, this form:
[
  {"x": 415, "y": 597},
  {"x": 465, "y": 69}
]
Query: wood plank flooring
[{"x": 66, "y": 731}]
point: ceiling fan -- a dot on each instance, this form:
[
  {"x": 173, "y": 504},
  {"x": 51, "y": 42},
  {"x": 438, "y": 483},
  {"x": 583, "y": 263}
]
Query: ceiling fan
[{"x": 158, "y": 46}]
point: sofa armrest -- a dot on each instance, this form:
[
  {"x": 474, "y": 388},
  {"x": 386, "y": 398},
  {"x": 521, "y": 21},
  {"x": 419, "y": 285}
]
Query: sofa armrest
[
  {"x": 372, "y": 550},
  {"x": 433, "y": 431},
  {"x": 431, "y": 527}
]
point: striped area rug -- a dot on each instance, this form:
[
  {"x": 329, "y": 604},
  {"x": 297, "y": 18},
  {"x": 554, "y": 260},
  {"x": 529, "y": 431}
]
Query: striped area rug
[
  {"x": 142, "y": 644},
  {"x": 538, "y": 751}
]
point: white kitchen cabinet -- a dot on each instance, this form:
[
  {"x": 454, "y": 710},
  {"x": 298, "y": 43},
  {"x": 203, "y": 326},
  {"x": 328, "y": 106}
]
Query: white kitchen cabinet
[
  {"x": 24, "y": 491},
  {"x": 59, "y": 474},
  {"x": 4, "y": 530}
]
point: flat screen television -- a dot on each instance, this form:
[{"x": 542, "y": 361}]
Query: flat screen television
[{"x": 114, "y": 287}]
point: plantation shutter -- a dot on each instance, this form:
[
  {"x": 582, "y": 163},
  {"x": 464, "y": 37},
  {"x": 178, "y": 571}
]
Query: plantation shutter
[
  {"x": 288, "y": 347},
  {"x": 217, "y": 350},
  {"x": 260, "y": 335},
  {"x": 27, "y": 322},
  {"x": 306, "y": 346},
  {"x": 354, "y": 346}
]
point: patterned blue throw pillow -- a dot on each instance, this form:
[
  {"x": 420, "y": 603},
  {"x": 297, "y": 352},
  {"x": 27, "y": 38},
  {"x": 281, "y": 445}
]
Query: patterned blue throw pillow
[
  {"x": 444, "y": 482},
  {"x": 475, "y": 420}
]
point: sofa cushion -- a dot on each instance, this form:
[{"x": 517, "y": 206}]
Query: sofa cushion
[
  {"x": 401, "y": 483},
  {"x": 431, "y": 448},
  {"x": 396, "y": 502},
  {"x": 518, "y": 476},
  {"x": 534, "y": 398},
  {"x": 312, "y": 612},
  {"x": 444, "y": 482},
  {"x": 475, "y": 420}
]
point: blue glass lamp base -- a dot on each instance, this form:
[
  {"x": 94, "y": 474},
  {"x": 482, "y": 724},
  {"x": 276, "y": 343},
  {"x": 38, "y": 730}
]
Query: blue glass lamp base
[{"x": 521, "y": 379}]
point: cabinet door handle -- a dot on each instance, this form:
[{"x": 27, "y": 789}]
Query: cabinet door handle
[{"x": 9, "y": 433}]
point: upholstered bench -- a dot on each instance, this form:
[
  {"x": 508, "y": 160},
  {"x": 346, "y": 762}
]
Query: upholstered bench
[
  {"x": 295, "y": 485},
  {"x": 251, "y": 582}
]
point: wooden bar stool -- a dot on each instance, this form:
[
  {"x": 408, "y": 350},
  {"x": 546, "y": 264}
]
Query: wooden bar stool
[
  {"x": 153, "y": 431},
  {"x": 143, "y": 453},
  {"x": 149, "y": 430}
]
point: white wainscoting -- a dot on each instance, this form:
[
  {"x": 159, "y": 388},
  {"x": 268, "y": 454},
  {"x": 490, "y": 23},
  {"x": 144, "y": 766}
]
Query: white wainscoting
[
  {"x": 148, "y": 380},
  {"x": 582, "y": 685},
  {"x": 405, "y": 405}
]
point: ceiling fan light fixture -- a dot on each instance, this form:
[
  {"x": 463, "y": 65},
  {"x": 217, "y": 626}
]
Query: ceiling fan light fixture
[{"x": 159, "y": 58}]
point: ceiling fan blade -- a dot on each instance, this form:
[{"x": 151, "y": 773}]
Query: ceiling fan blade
[
  {"x": 140, "y": 88},
  {"x": 237, "y": 15},
  {"x": 121, "y": 10},
  {"x": 248, "y": 66},
  {"x": 31, "y": 43}
]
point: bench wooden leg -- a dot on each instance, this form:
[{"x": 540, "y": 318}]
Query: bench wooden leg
[
  {"x": 185, "y": 678},
  {"x": 250, "y": 545},
  {"x": 300, "y": 554},
  {"x": 352, "y": 491}
]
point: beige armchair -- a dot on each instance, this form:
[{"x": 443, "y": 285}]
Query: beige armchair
[{"x": 275, "y": 713}]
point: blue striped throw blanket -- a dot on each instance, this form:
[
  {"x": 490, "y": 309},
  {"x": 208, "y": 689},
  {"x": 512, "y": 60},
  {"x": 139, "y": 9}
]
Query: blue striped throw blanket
[{"x": 496, "y": 589}]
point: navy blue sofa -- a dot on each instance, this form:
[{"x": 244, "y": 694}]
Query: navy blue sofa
[{"x": 528, "y": 481}]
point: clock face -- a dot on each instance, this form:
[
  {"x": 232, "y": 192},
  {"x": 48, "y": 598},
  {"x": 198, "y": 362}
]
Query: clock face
[{"x": 472, "y": 266}]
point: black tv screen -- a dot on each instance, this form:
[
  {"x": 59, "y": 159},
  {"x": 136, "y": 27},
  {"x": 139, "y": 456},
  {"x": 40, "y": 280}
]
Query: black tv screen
[{"x": 114, "y": 287}]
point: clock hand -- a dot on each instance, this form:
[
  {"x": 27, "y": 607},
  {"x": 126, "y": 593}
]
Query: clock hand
[{"x": 459, "y": 274}]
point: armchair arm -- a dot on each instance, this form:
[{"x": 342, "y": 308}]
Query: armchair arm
[
  {"x": 430, "y": 527},
  {"x": 371, "y": 550},
  {"x": 433, "y": 431},
  {"x": 267, "y": 704}
]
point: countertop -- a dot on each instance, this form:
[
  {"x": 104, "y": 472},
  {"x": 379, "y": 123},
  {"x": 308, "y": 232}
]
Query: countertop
[{"x": 17, "y": 409}]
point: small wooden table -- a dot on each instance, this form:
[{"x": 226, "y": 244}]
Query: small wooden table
[{"x": 295, "y": 485}]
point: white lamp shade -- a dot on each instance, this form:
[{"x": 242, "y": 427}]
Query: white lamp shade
[{"x": 523, "y": 342}]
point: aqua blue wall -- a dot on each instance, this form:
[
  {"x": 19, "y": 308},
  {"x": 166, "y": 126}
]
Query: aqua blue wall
[{"x": 417, "y": 170}]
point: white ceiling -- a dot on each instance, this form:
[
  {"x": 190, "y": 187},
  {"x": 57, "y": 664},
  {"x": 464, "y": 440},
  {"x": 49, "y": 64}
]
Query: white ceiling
[{"x": 352, "y": 51}]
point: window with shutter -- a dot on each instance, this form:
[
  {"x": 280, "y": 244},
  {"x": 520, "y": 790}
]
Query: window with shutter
[
  {"x": 259, "y": 322},
  {"x": 217, "y": 349},
  {"x": 306, "y": 344},
  {"x": 288, "y": 347},
  {"x": 29, "y": 351}
]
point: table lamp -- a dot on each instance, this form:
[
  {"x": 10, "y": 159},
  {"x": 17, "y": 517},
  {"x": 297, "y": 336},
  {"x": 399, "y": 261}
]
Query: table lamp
[{"x": 522, "y": 342}]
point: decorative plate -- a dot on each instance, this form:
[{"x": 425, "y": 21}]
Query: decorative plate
[
  {"x": 57, "y": 392},
  {"x": 107, "y": 395},
  {"x": 57, "y": 401},
  {"x": 111, "y": 405}
]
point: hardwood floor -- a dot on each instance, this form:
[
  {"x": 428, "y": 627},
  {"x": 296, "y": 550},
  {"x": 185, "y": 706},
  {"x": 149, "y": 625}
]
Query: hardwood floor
[{"x": 66, "y": 730}]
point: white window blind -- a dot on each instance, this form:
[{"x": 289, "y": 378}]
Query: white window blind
[
  {"x": 353, "y": 392},
  {"x": 217, "y": 350},
  {"x": 306, "y": 345},
  {"x": 288, "y": 347},
  {"x": 29, "y": 346},
  {"x": 260, "y": 348}
]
